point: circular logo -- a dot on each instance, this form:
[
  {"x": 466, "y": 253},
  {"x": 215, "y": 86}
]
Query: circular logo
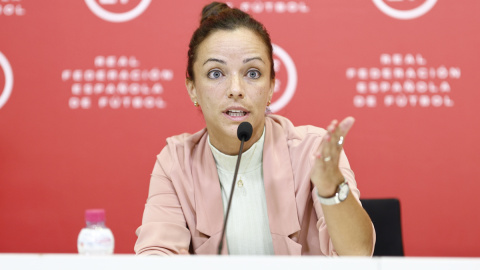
[
  {"x": 117, "y": 17},
  {"x": 405, "y": 14},
  {"x": 7, "y": 71},
  {"x": 291, "y": 86}
]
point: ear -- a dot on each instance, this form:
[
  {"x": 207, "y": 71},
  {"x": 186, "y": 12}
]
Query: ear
[
  {"x": 272, "y": 88},
  {"x": 192, "y": 91}
]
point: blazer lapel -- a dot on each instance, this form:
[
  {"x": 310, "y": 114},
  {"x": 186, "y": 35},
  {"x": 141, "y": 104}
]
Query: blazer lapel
[
  {"x": 279, "y": 184},
  {"x": 208, "y": 198}
]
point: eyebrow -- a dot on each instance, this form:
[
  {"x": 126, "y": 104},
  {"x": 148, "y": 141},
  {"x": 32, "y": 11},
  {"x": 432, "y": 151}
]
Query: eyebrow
[
  {"x": 223, "y": 62},
  {"x": 215, "y": 60},
  {"x": 251, "y": 59}
]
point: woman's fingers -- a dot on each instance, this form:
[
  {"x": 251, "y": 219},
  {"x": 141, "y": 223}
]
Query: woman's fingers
[
  {"x": 326, "y": 174},
  {"x": 338, "y": 135},
  {"x": 345, "y": 125},
  {"x": 332, "y": 126},
  {"x": 333, "y": 142}
]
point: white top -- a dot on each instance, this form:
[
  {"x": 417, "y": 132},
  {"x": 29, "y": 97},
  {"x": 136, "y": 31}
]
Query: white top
[{"x": 248, "y": 230}]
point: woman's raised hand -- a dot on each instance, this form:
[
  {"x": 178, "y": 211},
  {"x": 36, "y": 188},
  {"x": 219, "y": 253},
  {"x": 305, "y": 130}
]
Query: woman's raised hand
[{"x": 325, "y": 174}]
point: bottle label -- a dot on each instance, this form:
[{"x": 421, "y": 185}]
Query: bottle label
[{"x": 97, "y": 241}]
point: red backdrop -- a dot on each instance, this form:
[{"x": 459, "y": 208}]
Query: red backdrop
[{"x": 91, "y": 89}]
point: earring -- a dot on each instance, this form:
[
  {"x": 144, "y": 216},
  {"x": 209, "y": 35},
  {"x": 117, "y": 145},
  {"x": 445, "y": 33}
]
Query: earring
[
  {"x": 195, "y": 104},
  {"x": 267, "y": 110}
]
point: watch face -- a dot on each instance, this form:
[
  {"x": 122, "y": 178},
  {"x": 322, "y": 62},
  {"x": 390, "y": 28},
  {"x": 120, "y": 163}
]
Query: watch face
[{"x": 343, "y": 192}]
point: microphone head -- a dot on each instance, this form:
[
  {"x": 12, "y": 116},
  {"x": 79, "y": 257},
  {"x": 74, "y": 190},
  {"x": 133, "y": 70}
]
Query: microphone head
[{"x": 244, "y": 131}]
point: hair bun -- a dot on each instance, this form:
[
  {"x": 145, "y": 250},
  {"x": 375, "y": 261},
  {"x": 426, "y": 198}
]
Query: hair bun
[{"x": 213, "y": 9}]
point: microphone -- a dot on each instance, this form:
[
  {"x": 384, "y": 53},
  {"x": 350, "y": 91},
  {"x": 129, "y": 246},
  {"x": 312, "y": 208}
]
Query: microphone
[{"x": 244, "y": 133}]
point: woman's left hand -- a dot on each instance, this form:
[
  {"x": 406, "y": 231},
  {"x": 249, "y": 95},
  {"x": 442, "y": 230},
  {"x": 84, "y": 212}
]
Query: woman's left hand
[{"x": 325, "y": 174}]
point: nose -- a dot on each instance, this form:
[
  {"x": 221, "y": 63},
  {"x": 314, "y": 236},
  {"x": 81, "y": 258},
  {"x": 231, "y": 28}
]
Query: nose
[{"x": 236, "y": 89}]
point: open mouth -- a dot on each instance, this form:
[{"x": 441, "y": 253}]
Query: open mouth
[{"x": 236, "y": 113}]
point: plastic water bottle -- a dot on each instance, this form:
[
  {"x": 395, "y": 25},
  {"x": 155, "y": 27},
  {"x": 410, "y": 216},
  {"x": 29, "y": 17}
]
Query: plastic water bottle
[{"x": 96, "y": 238}]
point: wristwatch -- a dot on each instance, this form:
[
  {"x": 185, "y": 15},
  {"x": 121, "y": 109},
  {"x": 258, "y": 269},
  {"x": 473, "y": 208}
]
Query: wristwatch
[{"x": 340, "y": 196}]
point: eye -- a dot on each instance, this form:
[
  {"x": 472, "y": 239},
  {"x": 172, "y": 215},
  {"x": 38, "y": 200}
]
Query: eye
[
  {"x": 214, "y": 74},
  {"x": 253, "y": 74}
]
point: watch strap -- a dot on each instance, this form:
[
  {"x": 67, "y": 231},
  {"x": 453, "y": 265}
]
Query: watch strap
[{"x": 335, "y": 199}]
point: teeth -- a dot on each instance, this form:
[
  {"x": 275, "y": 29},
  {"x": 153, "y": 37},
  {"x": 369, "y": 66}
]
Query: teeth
[{"x": 236, "y": 113}]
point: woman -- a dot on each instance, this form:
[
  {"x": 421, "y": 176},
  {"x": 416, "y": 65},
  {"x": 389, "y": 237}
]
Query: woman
[{"x": 293, "y": 183}]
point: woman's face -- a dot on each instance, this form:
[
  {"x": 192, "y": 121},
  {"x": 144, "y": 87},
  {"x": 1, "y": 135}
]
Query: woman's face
[{"x": 232, "y": 85}]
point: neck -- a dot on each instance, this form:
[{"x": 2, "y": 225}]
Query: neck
[{"x": 230, "y": 146}]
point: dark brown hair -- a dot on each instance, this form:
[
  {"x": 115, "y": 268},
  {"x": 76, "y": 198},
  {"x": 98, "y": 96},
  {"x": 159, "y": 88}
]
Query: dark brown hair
[{"x": 219, "y": 16}]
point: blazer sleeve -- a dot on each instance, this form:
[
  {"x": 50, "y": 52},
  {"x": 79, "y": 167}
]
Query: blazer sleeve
[
  {"x": 163, "y": 230},
  {"x": 326, "y": 245}
]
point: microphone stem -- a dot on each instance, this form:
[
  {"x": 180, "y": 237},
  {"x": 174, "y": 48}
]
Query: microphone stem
[{"x": 220, "y": 245}]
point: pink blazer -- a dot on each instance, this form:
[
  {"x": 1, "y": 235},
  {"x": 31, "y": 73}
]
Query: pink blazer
[{"x": 184, "y": 208}]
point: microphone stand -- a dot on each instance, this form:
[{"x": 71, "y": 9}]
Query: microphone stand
[{"x": 220, "y": 245}]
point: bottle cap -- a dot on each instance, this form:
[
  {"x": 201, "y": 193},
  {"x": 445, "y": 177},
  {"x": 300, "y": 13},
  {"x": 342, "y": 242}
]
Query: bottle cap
[{"x": 95, "y": 215}]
